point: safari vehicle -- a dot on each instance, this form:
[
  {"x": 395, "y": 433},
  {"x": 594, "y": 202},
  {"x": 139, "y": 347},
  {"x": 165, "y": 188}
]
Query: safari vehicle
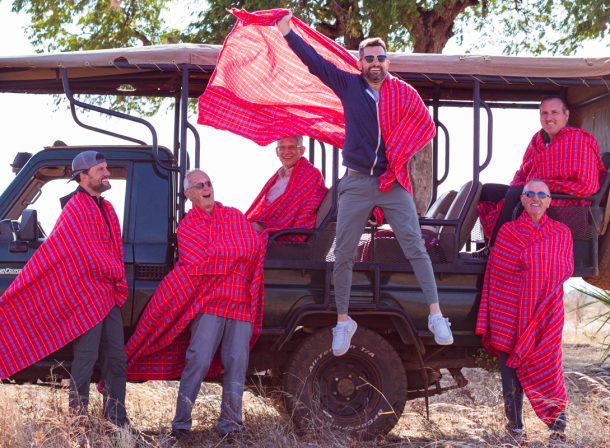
[{"x": 393, "y": 357}]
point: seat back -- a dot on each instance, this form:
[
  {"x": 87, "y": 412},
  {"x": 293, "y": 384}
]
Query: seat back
[
  {"x": 325, "y": 207},
  {"x": 463, "y": 210},
  {"x": 439, "y": 209}
]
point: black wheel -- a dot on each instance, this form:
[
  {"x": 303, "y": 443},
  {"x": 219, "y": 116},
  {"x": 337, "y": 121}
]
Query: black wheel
[{"x": 363, "y": 391}]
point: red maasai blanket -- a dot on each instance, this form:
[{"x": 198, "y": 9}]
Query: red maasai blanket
[
  {"x": 69, "y": 285},
  {"x": 219, "y": 272},
  {"x": 570, "y": 164},
  {"x": 261, "y": 90},
  {"x": 296, "y": 207},
  {"x": 521, "y": 311}
]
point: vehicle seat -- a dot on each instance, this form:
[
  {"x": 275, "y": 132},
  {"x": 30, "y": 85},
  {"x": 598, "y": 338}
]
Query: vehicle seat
[
  {"x": 465, "y": 212},
  {"x": 439, "y": 209},
  {"x": 319, "y": 241},
  {"x": 386, "y": 246}
]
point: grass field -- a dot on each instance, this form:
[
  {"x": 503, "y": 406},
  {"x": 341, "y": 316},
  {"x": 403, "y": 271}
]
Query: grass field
[{"x": 35, "y": 416}]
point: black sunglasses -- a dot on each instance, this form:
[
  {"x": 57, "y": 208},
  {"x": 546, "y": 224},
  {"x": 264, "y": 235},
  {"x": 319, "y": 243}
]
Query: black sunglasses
[
  {"x": 370, "y": 58},
  {"x": 201, "y": 185},
  {"x": 533, "y": 194}
]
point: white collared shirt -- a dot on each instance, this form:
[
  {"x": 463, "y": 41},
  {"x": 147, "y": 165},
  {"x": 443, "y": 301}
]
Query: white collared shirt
[{"x": 279, "y": 187}]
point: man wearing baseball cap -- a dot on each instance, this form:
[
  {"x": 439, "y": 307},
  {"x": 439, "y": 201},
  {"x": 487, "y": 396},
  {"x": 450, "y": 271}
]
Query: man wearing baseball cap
[{"x": 72, "y": 290}]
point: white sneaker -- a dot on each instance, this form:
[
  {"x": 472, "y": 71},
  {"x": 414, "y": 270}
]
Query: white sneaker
[
  {"x": 342, "y": 336},
  {"x": 439, "y": 326}
]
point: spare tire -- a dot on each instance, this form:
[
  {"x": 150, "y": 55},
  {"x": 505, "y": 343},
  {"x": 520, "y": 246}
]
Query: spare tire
[{"x": 363, "y": 392}]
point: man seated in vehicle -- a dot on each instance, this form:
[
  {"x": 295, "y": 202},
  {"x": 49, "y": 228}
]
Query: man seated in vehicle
[
  {"x": 564, "y": 157},
  {"x": 290, "y": 198},
  {"x": 521, "y": 312},
  {"x": 212, "y": 298},
  {"x": 71, "y": 290}
]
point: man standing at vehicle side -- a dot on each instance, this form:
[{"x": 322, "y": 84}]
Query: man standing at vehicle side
[
  {"x": 211, "y": 301},
  {"x": 386, "y": 123},
  {"x": 567, "y": 159},
  {"x": 71, "y": 290},
  {"x": 290, "y": 199},
  {"x": 521, "y": 312}
]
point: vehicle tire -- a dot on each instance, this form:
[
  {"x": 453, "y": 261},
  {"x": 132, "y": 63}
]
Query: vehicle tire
[{"x": 363, "y": 392}]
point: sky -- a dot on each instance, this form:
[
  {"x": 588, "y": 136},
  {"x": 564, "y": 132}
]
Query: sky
[{"x": 238, "y": 167}]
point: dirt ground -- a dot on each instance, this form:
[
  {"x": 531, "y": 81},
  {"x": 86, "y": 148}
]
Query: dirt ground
[{"x": 35, "y": 416}]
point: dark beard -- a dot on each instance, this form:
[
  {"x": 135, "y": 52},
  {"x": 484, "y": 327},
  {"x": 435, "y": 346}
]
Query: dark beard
[
  {"x": 100, "y": 188},
  {"x": 374, "y": 78}
]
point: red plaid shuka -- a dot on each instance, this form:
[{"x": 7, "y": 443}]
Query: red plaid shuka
[
  {"x": 261, "y": 90},
  {"x": 570, "y": 164},
  {"x": 296, "y": 207},
  {"x": 219, "y": 272},
  {"x": 521, "y": 311},
  {"x": 69, "y": 285}
]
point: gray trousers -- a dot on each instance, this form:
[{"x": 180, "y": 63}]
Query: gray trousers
[
  {"x": 207, "y": 333},
  {"x": 358, "y": 195},
  {"x": 106, "y": 341}
]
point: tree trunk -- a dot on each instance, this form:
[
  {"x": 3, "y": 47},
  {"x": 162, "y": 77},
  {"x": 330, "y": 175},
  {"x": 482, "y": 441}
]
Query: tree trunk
[
  {"x": 431, "y": 30},
  {"x": 420, "y": 172}
]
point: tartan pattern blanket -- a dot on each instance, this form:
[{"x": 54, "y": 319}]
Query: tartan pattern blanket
[
  {"x": 261, "y": 90},
  {"x": 69, "y": 285},
  {"x": 570, "y": 164},
  {"x": 521, "y": 311},
  {"x": 219, "y": 271},
  {"x": 296, "y": 207}
]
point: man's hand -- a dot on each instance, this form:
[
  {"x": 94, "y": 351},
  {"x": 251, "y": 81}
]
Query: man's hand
[{"x": 284, "y": 24}]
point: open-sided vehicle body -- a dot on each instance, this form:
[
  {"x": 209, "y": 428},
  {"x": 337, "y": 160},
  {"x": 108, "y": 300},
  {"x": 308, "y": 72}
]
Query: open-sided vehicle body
[{"x": 393, "y": 356}]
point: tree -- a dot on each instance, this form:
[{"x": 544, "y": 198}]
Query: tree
[
  {"x": 532, "y": 26},
  {"x": 423, "y": 26}
]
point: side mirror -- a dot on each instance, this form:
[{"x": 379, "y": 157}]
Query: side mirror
[{"x": 28, "y": 227}]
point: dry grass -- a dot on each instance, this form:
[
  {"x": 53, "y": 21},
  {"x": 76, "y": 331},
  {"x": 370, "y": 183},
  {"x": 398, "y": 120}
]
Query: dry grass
[{"x": 34, "y": 416}]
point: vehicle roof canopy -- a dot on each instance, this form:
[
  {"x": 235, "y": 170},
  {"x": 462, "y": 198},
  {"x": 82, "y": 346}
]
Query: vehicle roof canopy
[{"x": 152, "y": 71}]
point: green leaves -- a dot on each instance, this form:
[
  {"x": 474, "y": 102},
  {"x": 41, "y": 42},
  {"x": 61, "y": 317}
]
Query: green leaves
[{"x": 515, "y": 26}]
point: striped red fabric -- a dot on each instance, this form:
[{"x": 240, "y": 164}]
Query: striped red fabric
[
  {"x": 69, "y": 285},
  {"x": 521, "y": 311},
  {"x": 406, "y": 127},
  {"x": 296, "y": 207},
  {"x": 570, "y": 164},
  {"x": 219, "y": 272},
  {"x": 262, "y": 91}
]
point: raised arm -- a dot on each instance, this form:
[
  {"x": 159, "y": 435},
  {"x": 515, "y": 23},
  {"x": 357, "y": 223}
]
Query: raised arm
[{"x": 326, "y": 71}]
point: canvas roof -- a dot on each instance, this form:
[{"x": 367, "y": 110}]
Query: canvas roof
[{"x": 153, "y": 70}]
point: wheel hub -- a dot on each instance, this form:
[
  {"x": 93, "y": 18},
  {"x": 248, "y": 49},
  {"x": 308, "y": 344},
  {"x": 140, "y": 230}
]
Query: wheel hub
[{"x": 346, "y": 387}]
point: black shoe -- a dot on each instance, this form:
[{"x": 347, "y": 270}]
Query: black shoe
[
  {"x": 558, "y": 438},
  {"x": 231, "y": 437},
  {"x": 179, "y": 433}
]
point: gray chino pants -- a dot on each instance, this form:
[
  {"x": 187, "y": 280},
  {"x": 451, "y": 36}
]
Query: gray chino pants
[
  {"x": 207, "y": 333},
  {"x": 106, "y": 341},
  {"x": 358, "y": 195}
]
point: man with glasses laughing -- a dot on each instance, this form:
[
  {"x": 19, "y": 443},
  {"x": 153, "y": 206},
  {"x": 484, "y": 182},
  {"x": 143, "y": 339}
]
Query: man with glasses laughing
[
  {"x": 290, "y": 199},
  {"x": 386, "y": 123},
  {"x": 521, "y": 312},
  {"x": 211, "y": 301}
]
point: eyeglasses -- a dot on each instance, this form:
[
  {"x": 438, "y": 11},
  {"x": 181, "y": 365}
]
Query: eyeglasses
[
  {"x": 533, "y": 194},
  {"x": 287, "y": 148},
  {"x": 370, "y": 58},
  {"x": 201, "y": 185}
]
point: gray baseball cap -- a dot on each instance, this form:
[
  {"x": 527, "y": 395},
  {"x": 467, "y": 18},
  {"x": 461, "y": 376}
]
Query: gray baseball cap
[{"x": 85, "y": 160}]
